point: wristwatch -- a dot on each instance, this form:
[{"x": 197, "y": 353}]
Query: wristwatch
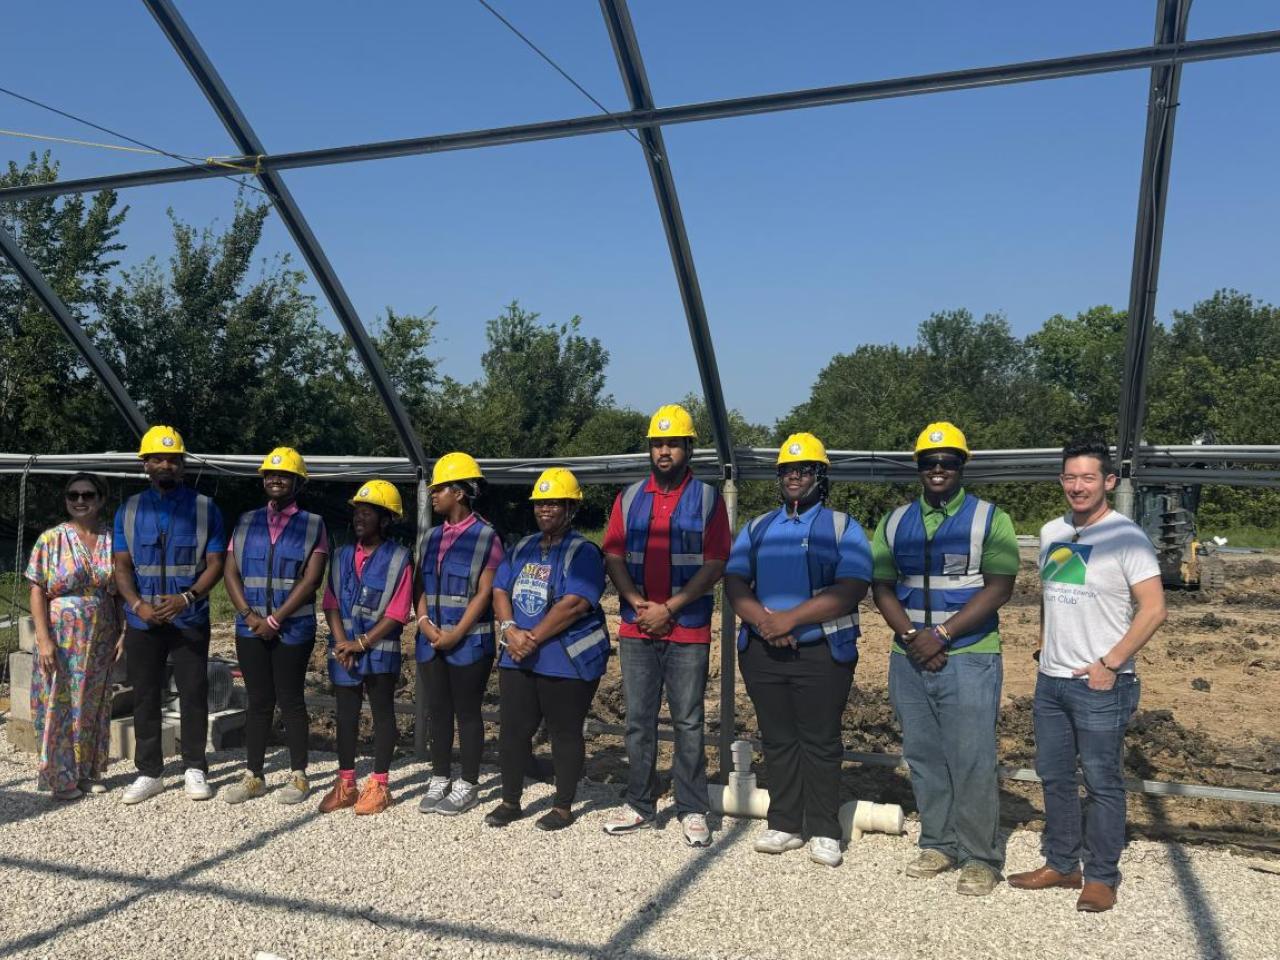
[
  {"x": 504, "y": 626},
  {"x": 245, "y": 612}
]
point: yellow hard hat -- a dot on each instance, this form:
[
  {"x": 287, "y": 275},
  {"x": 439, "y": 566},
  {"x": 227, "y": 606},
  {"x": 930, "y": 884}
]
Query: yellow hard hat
[
  {"x": 161, "y": 439},
  {"x": 379, "y": 493},
  {"x": 672, "y": 420},
  {"x": 455, "y": 466},
  {"x": 556, "y": 483},
  {"x": 941, "y": 436},
  {"x": 802, "y": 448},
  {"x": 284, "y": 460}
]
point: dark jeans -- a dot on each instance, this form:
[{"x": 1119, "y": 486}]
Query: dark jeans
[
  {"x": 527, "y": 699},
  {"x": 381, "y": 688},
  {"x": 800, "y": 696},
  {"x": 647, "y": 667},
  {"x": 1073, "y": 721},
  {"x": 148, "y": 652},
  {"x": 456, "y": 692},
  {"x": 948, "y": 721},
  {"x": 275, "y": 674}
]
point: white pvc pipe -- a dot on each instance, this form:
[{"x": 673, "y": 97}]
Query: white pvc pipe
[{"x": 740, "y": 797}]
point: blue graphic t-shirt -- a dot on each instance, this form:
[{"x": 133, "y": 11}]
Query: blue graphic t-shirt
[{"x": 527, "y": 577}]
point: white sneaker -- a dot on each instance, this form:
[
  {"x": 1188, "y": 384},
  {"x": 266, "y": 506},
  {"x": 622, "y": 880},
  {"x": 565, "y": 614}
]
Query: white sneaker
[
  {"x": 437, "y": 787},
  {"x": 195, "y": 785},
  {"x": 625, "y": 820},
  {"x": 696, "y": 831},
  {"x": 826, "y": 851},
  {"x": 777, "y": 841},
  {"x": 143, "y": 788}
]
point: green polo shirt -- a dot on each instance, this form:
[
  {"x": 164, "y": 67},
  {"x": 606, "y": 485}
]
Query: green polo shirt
[{"x": 999, "y": 555}]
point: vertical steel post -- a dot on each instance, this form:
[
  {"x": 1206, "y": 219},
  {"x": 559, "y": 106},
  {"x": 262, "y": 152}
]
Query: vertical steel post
[
  {"x": 728, "y": 649},
  {"x": 421, "y": 704},
  {"x": 30, "y": 274},
  {"x": 1153, "y": 189}
]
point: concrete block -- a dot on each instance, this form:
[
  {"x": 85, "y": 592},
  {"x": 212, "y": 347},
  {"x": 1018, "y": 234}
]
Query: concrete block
[
  {"x": 27, "y": 634},
  {"x": 224, "y": 722},
  {"x": 21, "y": 665},
  {"x": 122, "y": 738},
  {"x": 22, "y": 734}
]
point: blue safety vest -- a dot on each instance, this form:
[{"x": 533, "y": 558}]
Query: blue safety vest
[
  {"x": 450, "y": 588},
  {"x": 821, "y": 559},
  {"x": 269, "y": 571},
  {"x": 168, "y": 563},
  {"x": 688, "y": 525},
  {"x": 937, "y": 577},
  {"x": 363, "y": 601},
  {"x": 586, "y": 640}
]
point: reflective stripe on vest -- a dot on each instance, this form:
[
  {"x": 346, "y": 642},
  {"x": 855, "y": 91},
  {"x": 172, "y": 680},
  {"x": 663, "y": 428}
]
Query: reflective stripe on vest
[
  {"x": 841, "y": 633},
  {"x": 447, "y": 609},
  {"x": 687, "y": 536},
  {"x": 295, "y": 545},
  {"x": 164, "y": 568},
  {"x": 938, "y": 575}
]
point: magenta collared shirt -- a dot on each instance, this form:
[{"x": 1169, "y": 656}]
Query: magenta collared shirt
[
  {"x": 452, "y": 531},
  {"x": 277, "y": 520}
]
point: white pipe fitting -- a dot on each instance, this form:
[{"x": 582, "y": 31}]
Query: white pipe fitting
[{"x": 742, "y": 798}]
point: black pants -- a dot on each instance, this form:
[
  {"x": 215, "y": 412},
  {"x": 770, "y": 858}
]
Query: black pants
[
  {"x": 527, "y": 699},
  {"x": 800, "y": 696},
  {"x": 275, "y": 674},
  {"x": 148, "y": 652},
  {"x": 456, "y": 692},
  {"x": 382, "y": 690}
]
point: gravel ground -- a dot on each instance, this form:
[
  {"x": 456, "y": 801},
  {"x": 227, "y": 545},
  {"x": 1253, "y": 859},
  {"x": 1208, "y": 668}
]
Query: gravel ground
[{"x": 172, "y": 878}]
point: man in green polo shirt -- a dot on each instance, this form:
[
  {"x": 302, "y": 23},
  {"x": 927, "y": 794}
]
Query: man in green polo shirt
[{"x": 944, "y": 564}]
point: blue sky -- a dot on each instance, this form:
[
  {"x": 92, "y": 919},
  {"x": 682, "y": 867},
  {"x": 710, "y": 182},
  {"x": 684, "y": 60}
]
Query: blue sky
[{"x": 813, "y": 231}]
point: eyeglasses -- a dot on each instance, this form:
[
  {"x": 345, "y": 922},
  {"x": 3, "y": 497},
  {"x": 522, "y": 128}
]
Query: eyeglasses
[
  {"x": 799, "y": 469},
  {"x": 946, "y": 463},
  {"x": 82, "y": 495}
]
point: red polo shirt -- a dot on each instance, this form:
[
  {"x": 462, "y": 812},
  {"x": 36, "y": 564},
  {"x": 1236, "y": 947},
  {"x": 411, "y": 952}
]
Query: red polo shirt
[{"x": 657, "y": 554}]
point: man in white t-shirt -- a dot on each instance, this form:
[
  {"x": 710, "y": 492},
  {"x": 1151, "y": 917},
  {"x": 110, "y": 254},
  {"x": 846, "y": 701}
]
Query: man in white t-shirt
[{"x": 1102, "y": 600}]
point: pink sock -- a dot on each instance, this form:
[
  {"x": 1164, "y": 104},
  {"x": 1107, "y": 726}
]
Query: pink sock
[
  {"x": 347, "y": 776},
  {"x": 380, "y": 778}
]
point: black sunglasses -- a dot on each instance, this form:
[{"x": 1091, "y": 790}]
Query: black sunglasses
[
  {"x": 85, "y": 495},
  {"x": 801, "y": 469},
  {"x": 946, "y": 463}
]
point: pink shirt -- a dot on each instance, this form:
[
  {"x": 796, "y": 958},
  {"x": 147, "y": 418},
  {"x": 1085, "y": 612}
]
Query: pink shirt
[
  {"x": 452, "y": 531},
  {"x": 401, "y": 606},
  {"x": 277, "y": 520}
]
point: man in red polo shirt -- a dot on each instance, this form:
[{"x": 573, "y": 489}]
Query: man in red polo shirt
[{"x": 665, "y": 548}]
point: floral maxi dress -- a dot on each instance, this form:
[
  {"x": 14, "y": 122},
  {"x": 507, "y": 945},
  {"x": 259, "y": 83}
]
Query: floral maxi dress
[{"x": 71, "y": 711}]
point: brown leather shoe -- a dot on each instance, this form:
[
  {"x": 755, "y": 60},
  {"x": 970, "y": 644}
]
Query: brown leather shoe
[
  {"x": 1044, "y": 877},
  {"x": 374, "y": 798},
  {"x": 1096, "y": 897},
  {"x": 342, "y": 795}
]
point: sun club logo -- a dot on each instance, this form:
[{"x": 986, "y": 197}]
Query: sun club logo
[
  {"x": 935, "y": 437},
  {"x": 1066, "y": 563},
  {"x": 544, "y": 486},
  {"x": 664, "y": 424},
  {"x": 793, "y": 449},
  {"x": 364, "y": 492},
  {"x": 166, "y": 441},
  {"x": 277, "y": 459}
]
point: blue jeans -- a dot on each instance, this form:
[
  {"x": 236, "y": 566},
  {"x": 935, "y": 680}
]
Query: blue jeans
[
  {"x": 948, "y": 723},
  {"x": 1073, "y": 721},
  {"x": 647, "y": 667}
]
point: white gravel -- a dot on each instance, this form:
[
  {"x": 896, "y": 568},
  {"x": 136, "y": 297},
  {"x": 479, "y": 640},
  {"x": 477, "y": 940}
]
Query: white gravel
[{"x": 173, "y": 878}]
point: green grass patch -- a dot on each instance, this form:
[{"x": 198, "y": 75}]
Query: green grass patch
[
  {"x": 1245, "y": 536},
  {"x": 9, "y": 634},
  {"x": 220, "y": 607}
]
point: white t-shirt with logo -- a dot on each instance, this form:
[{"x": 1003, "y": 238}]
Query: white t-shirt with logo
[{"x": 1088, "y": 601}]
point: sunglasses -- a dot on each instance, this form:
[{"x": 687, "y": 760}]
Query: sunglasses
[
  {"x": 82, "y": 495},
  {"x": 802, "y": 470},
  {"x": 946, "y": 463}
]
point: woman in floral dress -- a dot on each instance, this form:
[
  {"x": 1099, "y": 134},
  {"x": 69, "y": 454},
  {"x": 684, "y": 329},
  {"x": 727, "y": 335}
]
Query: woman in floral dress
[{"x": 78, "y": 636}]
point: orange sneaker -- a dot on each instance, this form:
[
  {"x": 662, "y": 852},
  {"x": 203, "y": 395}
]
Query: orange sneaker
[
  {"x": 374, "y": 798},
  {"x": 342, "y": 795}
]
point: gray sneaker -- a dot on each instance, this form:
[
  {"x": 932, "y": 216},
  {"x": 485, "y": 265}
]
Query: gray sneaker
[
  {"x": 695, "y": 829},
  {"x": 296, "y": 790},
  {"x": 930, "y": 863},
  {"x": 461, "y": 798},
  {"x": 248, "y": 788},
  {"x": 437, "y": 787},
  {"x": 976, "y": 879}
]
